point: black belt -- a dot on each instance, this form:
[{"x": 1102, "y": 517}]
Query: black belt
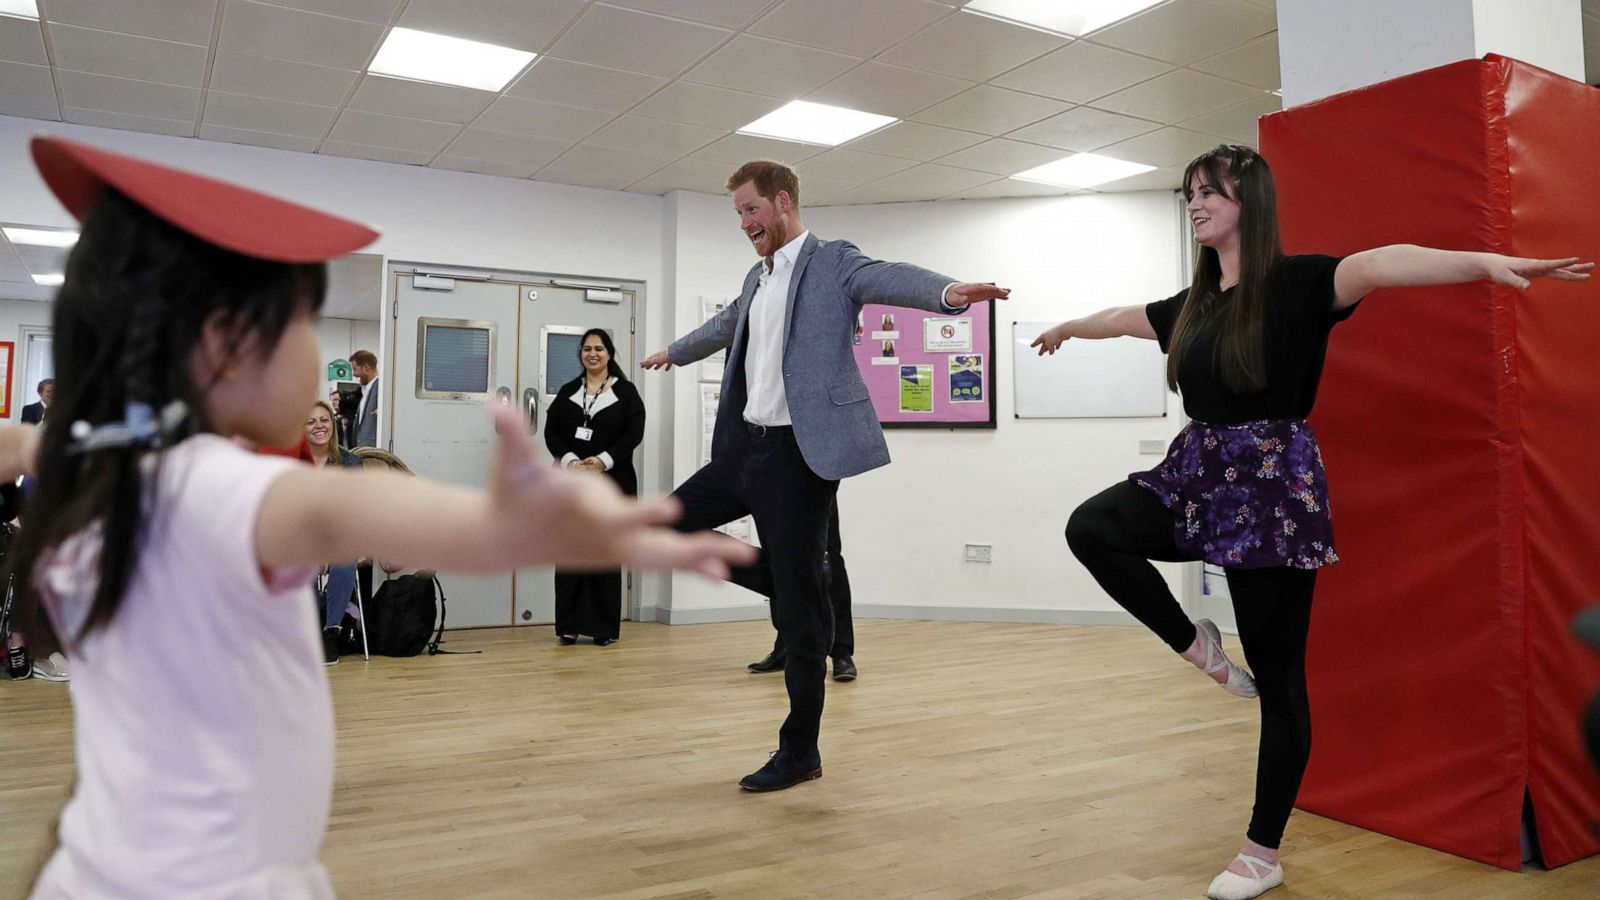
[{"x": 762, "y": 431}]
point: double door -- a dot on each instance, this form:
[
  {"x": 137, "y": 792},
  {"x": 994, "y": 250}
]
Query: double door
[{"x": 463, "y": 340}]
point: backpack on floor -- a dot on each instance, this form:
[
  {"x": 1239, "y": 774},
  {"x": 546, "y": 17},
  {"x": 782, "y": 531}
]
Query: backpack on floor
[{"x": 402, "y": 615}]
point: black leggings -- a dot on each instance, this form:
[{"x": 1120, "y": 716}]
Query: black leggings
[{"x": 1117, "y": 532}]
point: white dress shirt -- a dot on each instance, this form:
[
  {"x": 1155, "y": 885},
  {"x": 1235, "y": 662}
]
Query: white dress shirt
[{"x": 768, "y": 402}]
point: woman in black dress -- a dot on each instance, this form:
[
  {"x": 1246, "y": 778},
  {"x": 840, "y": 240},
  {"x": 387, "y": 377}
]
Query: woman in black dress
[
  {"x": 595, "y": 423},
  {"x": 1243, "y": 486}
]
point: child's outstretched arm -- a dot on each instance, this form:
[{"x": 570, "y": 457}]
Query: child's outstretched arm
[
  {"x": 19, "y": 450},
  {"x": 1407, "y": 265},
  {"x": 532, "y": 514}
]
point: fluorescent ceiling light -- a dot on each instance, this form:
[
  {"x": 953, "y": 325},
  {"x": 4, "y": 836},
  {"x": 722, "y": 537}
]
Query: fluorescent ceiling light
[
  {"x": 22, "y": 9},
  {"x": 816, "y": 123},
  {"x": 38, "y": 237},
  {"x": 1073, "y": 18},
  {"x": 1083, "y": 170},
  {"x": 49, "y": 280},
  {"x": 422, "y": 56}
]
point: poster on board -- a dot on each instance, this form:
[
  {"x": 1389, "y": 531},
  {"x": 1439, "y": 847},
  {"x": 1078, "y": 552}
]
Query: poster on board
[{"x": 928, "y": 369}]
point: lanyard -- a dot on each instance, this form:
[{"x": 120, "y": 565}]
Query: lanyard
[{"x": 589, "y": 400}]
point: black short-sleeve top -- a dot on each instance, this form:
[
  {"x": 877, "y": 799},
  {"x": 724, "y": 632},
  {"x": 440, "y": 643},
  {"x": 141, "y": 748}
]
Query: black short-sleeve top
[{"x": 1300, "y": 315}]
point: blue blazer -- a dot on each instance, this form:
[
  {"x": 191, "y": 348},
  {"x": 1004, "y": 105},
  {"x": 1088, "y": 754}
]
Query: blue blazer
[{"x": 834, "y": 422}]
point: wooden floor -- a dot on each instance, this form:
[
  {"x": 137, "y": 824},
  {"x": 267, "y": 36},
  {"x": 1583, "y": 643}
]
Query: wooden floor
[{"x": 969, "y": 761}]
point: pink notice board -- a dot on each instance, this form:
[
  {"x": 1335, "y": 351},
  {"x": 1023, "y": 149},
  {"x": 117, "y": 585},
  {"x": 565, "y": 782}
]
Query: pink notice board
[{"x": 928, "y": 370}]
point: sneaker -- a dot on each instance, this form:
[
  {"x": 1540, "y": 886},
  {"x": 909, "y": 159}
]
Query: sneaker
[
  {"x": 51, "y": 668},
  {"x": 330, "y": 646},
  {"x": 18, "y": 665}
]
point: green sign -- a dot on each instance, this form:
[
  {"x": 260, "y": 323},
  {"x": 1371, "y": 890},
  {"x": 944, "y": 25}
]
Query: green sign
[{"x": 339, "y": 370}]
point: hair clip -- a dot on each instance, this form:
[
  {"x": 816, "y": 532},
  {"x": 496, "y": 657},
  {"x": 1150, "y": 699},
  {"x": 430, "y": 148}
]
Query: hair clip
[{"x": 139, "y": 428}]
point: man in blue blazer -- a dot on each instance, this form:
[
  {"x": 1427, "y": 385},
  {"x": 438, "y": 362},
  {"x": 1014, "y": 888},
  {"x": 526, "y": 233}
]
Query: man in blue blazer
[{"x": 794, "y": 419}]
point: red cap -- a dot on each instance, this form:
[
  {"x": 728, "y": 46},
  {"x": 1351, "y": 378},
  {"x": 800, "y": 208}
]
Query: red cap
[{"x": 218, "y": 212}]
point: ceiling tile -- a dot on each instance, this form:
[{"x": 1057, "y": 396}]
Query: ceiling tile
[
  {"x": 550, "y": 120},
  {"x": 259, "y": 138},
  {"x": 972, "y": 47},
  {"x": 22, "y": 41},
  {"x": 280, "y": 79},
  {"x": 848, "y": 26},
  {"x": 576, "y": 84},
  {"x": 656, "y": 135},
  {"x": 701, "y": 104},
  {"x": 294, "y": 34},
  {"x": 912, "y": 140},
  {"x": 125, "y": 95},
  {"x": 150, "y": 124},
  {"x": 128, "y": 56},
  {"x": 928, "y": 181},
  {"x": 188, "y": 21},
  {"x": 609, "y": 162},
  {"x": 822, "y": 192},
  {"x": 508, "y": 23},
  {"x": 397, "y": 132},
  {"x": 380, "y": 154},
  {"x": 260, "y": 114},
  {"x": 380, "y": 11},
  {"x": 990, "y": 110},
  {"x": 1255, "y": 62},
  {"x": 506, "y": 148},
  {"x": 1002, "y": 157},
  {"x": 888, "y": 90},
  {"x": 785, "y": 70},
  {"x": 738, "y": 149},
  {"x": 1082, "y": 72},
  {"x": 1238, "y": 122},
  {"x": 1180, "y": 94},
  {"x": 419, "y": 100},
  {"x": 1166, "y": 147},
  {"x": 701, "y": 175},
  {"x": 726, "y": 13},
  {"x": 1163, "y": 179},
  {"x": 636, "y": 41},
  {"x": 849, "y": 167},
  {"x": 27, "y": 91},
  {"x": 481, "y": 166},
  {"x": 1083, "y": 128},
  {"x": 1010, "y": 187},
  {"x": 1186, "y": 30},
  {"x": 582, "y": 179}
]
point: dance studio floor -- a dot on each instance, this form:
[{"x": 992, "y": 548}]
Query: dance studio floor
[{"x": 970, "y": 760}]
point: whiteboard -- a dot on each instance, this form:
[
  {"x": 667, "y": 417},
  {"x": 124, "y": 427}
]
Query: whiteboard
[{"x": 1115, "y": 378}]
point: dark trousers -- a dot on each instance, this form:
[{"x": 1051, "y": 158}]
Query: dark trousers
[
  {"x": 758, "y": 577},
  {"x": 1117, "y": 532},
  {"x": 763, "y": 475},
  {"x": 589, "y": 603}
]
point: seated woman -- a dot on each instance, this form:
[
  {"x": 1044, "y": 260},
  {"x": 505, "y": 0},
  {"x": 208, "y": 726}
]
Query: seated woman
[
  {"x": 595, "y": 423},
  {"x": 331, "y": 602}
]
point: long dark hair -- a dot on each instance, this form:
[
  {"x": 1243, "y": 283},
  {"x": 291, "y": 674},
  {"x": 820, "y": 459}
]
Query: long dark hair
[
  {"x": 612, "y": 365},
  {"x": 1243, "y": 175},
  {"x": 128, "y": 319}
]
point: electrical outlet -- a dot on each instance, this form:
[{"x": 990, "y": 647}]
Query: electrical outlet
[
  {"x": 1152, "y": 447},
  {"x": 978, "y": 553}
]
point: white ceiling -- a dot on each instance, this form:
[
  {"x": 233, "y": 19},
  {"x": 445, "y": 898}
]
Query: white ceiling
[{"x": 643, "y": 95}]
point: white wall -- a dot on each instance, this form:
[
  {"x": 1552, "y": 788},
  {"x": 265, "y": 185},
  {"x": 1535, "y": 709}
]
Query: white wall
[
  {"x": 13, "y": 315},
  {"x": 904, "y": 525},
  {"x": 338, "y": 338}
]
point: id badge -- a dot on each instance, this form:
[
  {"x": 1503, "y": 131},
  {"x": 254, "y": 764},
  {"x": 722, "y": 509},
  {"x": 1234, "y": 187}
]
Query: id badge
[{"x": 584, "y": 434}]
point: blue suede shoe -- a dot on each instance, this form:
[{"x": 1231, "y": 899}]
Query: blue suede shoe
[{"x": 783, "y": 770}]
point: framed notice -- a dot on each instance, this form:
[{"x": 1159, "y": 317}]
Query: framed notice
[
  {"x": 8, "y": 350},
  {"x": 928, "y": 369}
]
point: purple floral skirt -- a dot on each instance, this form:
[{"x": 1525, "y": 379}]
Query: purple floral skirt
[{"x": 1247, "y": 496}]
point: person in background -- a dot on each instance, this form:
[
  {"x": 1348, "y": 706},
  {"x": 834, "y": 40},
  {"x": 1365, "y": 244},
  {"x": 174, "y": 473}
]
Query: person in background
[
  {"x": 365, "y": 366},
  {"x": 33, "y": 413},
  {"x": 334, "y": 597},
  {"x": 594, "y": 425}
]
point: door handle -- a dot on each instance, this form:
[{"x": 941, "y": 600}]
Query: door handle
[{"x": 530, "y": 407}]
